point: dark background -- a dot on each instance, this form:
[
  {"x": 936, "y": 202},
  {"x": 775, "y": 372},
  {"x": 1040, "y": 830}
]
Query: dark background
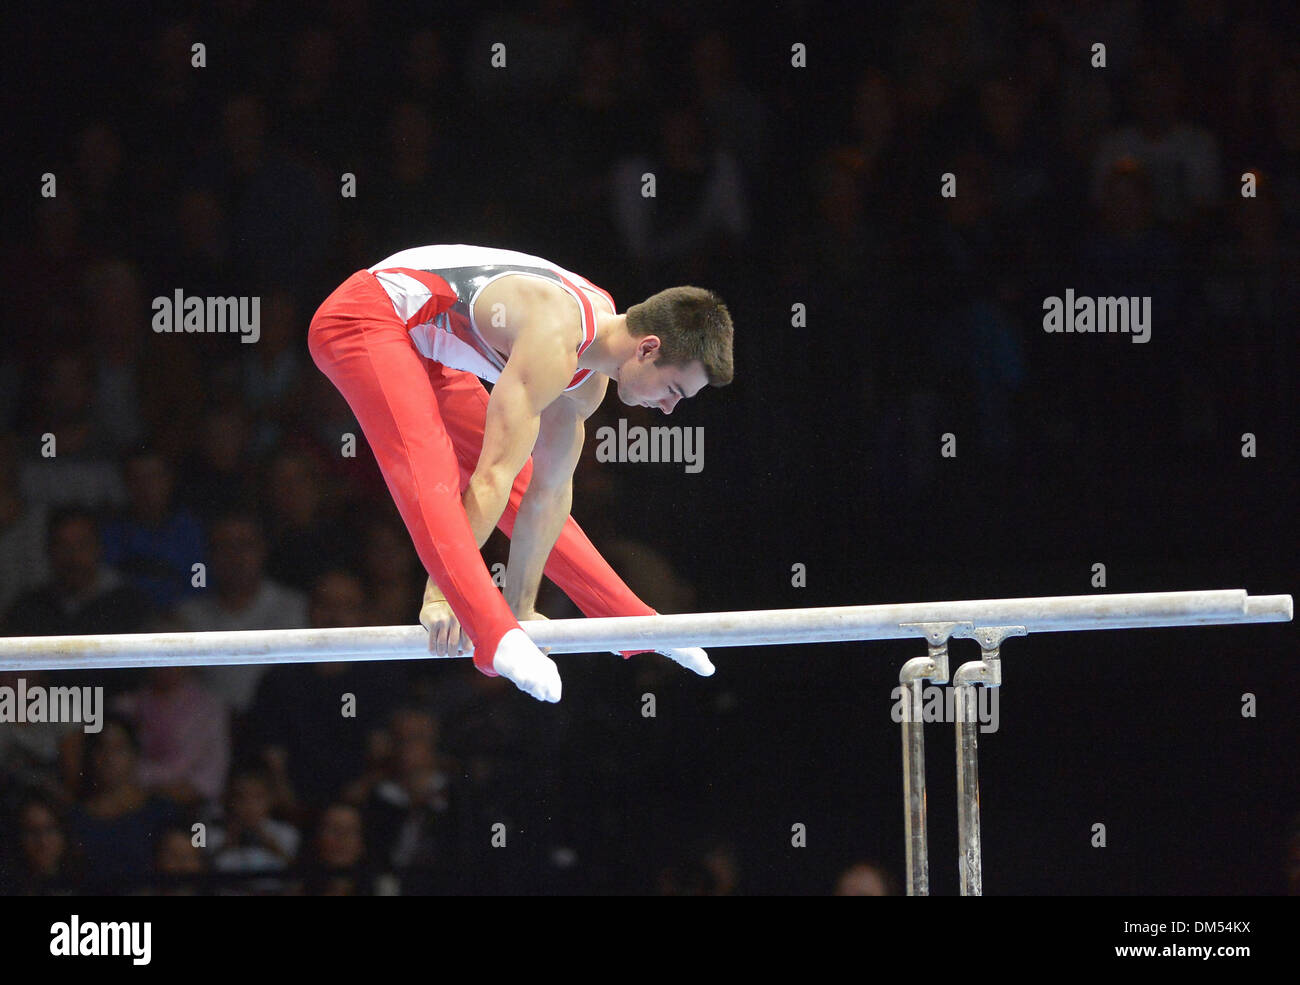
[{"x": 923, "y": 318}]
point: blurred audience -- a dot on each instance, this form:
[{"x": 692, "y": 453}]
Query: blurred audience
[
  {"x": 155, "y": 543},
  {"x": 45, "y": 866},
  {"x": 184, "y": 731},
  {"x": 240, "y": 596},
  {"x": 179, "y": 865},
  {"x": 190, "y": 481},
  {"x": 865, "y": 879},
  {"x": 249, "y": 840},
  {"x": 314, "y": 726},
  {"x": 83, "y": 595},
  {"x": 115, "y": 824}
]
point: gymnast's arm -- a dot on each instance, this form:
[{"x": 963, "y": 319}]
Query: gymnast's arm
[
  {"x": 541, "y": 364},
  {"x": 544, "y": 509}
]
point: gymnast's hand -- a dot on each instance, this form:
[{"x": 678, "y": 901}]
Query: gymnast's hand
[{"x": 446, "y": 637}]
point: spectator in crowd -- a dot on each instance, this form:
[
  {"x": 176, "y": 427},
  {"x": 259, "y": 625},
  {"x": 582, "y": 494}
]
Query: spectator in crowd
[
  {"x": 249, "y": 840},
  {"x": 394, "y": 578},
  {"x": 313, "y": 725},
  {"x": 38, "y": 758},
  {"x": 179, "y": 865},
  {"x": 46, "y": 866},
  {"x": 1181, "y": 157},
  {"x": 735, "y": 113},
  {"x": 23, "y": 558},
  {"x": 307, "y": 539},
  {"x": 156, "y": 543},
  {"x": 184, "y": 731},
  {"x": 409, "y": 814},
  {"x": 712, "y": 872},
  {"x": 699, "y": 210},
  {"x": 337, "y": 864},
  {"x": 195, "y": 247},
  {"x": 54, "y": 252},
  {"x": 218, "y": 469},
  {"x": 70, "y": 454},
  {"x": 547, "y": 36},
  {"x": 240, "y": 597},
  {"x": 116, "y": 823},
  {"x": 414, "y": 199},
  {"x": 865, "y": 879},
  {"x": 273, "y": 374},
  {"x": 315, "y": 88},
  {"x": 1249, "y": 292},
  {"x": 114, "y": 307},
  {"x": 84, "y": 595}
]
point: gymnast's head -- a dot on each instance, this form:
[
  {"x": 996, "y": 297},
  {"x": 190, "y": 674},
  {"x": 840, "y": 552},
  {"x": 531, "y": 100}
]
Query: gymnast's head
[{"x": 682, "y": 341}]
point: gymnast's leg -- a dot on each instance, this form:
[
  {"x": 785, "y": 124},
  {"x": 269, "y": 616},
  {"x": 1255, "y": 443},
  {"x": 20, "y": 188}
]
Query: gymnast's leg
[
  {"x": 574, "y": 563},
  {"x": 359, "y": 342}
]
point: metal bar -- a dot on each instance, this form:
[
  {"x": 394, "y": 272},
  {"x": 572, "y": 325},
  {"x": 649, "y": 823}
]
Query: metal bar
[{"x": 710, "y": 629}]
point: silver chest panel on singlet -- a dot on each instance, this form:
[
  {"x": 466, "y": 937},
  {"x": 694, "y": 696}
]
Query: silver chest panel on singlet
[{"x": 453, "y": 336}]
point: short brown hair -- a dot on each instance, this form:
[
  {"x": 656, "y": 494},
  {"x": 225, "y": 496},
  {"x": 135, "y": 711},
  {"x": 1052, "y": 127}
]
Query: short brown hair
[{"x": 692, "y": 324}]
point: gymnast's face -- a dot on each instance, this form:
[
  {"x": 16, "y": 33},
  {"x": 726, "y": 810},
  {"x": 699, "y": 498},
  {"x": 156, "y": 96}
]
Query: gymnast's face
[{"x": 643, "y": 383}]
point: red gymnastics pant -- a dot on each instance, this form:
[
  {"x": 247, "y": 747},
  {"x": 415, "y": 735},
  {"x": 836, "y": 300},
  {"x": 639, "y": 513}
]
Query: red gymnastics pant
[{"x": 424, "y": 422}]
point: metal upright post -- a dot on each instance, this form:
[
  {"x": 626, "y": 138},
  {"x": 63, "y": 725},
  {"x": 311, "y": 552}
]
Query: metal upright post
[
  {"x": 969, "y": 860},
  {"x": 918, "y": 865},
  {"x": 969, "y": 676},
  {"x": 912, "y": 678}
]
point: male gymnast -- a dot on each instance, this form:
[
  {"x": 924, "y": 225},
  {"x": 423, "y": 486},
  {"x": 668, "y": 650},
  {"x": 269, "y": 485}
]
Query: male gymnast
[{"x": 407, "y": 341}]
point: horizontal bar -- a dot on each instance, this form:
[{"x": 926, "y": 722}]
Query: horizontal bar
[{"x": 763, "y": 627}]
